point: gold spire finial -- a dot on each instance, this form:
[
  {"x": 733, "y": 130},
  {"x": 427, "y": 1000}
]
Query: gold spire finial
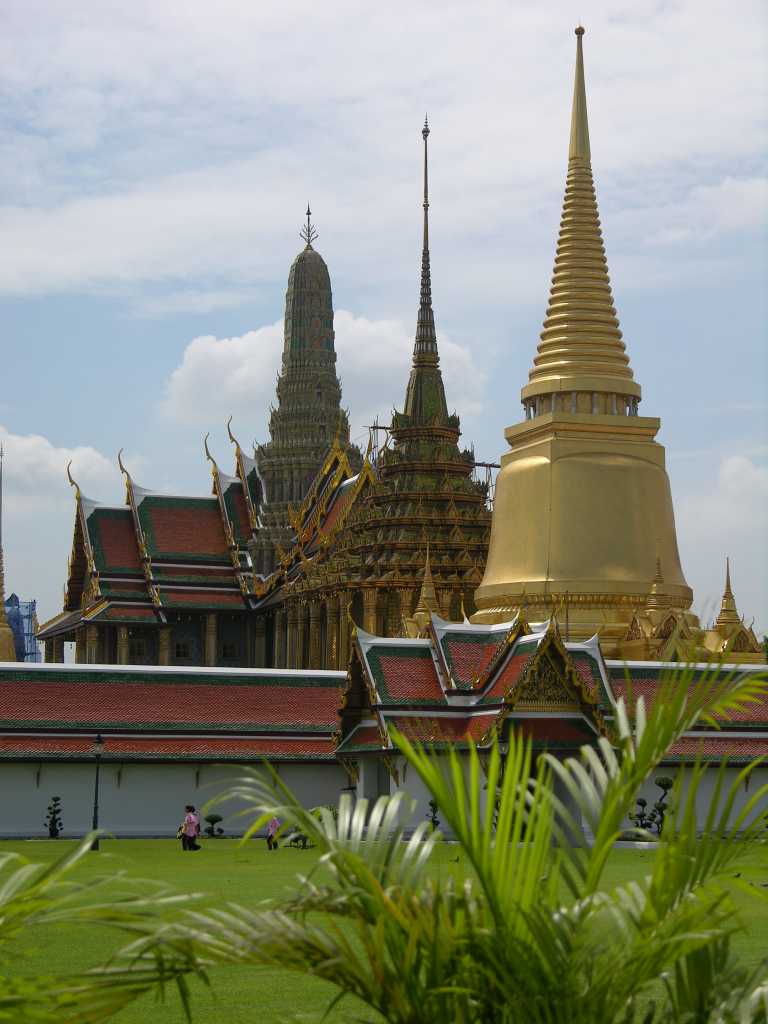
[
  {"x": 308, "y": 232},
  {"x": 579, "y": 147}
]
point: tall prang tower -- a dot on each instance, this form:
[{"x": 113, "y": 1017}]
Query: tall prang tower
[{"x": 309, "y": 416}]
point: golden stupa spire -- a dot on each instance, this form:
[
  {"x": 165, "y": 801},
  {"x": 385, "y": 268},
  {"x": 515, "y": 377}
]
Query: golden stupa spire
[
  {"x": 581, "y": 363},
  {"x": 656, "y": 598},
  {"x": 729, "y": 615},
  {"x": 7, "y": 645}
]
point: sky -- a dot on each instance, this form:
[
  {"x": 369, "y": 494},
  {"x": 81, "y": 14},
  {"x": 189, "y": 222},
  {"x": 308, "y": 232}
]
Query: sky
[{"x": 155, "y": 164}]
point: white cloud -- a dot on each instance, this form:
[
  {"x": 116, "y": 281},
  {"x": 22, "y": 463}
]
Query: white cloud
[
  {"x": 192, "y": 302},
  {"x": 145, "y": 143},
  {"x": 730, "y": 518},
  {"x": 219, "y": 377},
  {"x": 708, "y": 211},
  {"x": 39, "y": 508}
]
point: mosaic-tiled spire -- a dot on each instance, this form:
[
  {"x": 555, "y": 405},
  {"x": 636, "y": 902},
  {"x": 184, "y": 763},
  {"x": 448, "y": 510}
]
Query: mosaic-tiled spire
[
  {"x": 581, "y": 348},
  {"x": 425, "y": 398}
]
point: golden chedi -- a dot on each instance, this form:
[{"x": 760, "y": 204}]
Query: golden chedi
[{"x": 583, "y": 506}]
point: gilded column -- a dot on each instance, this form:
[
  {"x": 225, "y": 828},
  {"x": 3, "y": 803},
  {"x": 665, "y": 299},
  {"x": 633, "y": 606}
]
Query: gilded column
[
  {"x": 369, "y": 609},
  {"x": 293, "y": 636},
  {"x": 406, "y": 603},
  {"x": 302, "y": 643},
  {"x": 260, "y": 642},
  {"x": 332, "y": 631},
  {"x": 80, "y": 645},
  {"x": 280, "y": 638},
  {"x": 315, "y": 653},
  {"x": 345, "y": 602},
  {"x": 48, "y": 647},
  {"x": 392, "y": 625},
  {"x": 92, "y": 644},
  {"x": 164, "y": 646},
  {"x": 58, "y": 650},
  {"x": 123, "y": 645},
  {"x": 209, "y": 657}
]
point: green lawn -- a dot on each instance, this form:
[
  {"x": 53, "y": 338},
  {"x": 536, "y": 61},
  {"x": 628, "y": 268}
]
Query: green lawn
[{"x": 225, "y": 871}]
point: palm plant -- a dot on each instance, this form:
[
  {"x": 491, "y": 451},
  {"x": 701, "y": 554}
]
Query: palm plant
[
  {"x": 38, "y": 896},
  {"x": 528, "y": 934}
]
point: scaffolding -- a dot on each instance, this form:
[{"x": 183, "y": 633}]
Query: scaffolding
[{"x": 22, "y": 618}]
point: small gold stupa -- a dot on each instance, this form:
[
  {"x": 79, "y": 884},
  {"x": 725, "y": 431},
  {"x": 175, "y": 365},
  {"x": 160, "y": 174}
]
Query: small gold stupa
[{"x": 583, "y": 525}]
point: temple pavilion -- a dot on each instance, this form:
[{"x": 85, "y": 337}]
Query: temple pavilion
[
  {"x": 306, "y": 539},
  {"x": 380, "y": 611}
]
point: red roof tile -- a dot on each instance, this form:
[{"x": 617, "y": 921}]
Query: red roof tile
[
  {"x": 157, "y": 703},
  {"x": 187, "y": 747},
  {"x": 117, "y": 539},
  {"x": 441, "y": 729},
  {"x": 125, "y": 613},
  {"x": 508, "y": 675},
  {"x": 648, "y": 688},
  {"x": 366, "y": 737},
  {"x": 200, "y": 599},
  {"x": 468, "y": 658},
  {"x": 183, "y": 527},
  {"x": 585, "y": 667},
  {"x": 709, "y": 747},
  {"x": 337, "y": 508},
  {"x": 238, "y": 512},
  {"x": 410, "y": 678}
]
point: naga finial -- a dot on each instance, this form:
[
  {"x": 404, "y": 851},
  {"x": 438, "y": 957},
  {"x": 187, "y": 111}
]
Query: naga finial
[
  {"x": 232, "y": 437},
  {"x": 72, "y": 481},
  {"x": 121, "y": 464},
  {"x": 208, "y": 451}
]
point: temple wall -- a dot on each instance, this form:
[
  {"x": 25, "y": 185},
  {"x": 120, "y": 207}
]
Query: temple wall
[
  {"x": 758, "y": 778},
  {"x": 138, "y": 799}
]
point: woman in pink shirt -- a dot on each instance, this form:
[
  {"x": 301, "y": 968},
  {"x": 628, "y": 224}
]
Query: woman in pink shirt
[
  {"x": 272, "y": 830},
  {"x": 190, "y": 830}
]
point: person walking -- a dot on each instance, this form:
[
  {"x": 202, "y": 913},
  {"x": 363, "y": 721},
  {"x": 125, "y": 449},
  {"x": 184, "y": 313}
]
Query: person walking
[
  {"x": 272, "y": 830},
  {"x": 190, "y": 829}
]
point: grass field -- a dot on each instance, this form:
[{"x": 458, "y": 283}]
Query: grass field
[{"x": 225, "y": 872}]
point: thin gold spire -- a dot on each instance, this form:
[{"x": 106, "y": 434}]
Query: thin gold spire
[
  {"x": 729, "y": 615},
  {"x": 579, "y": 148},
  {"x": 656, "y": 598},
  {"x": 581, "y": 348}
]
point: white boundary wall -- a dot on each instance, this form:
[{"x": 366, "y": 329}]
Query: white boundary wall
[{"x": 139, "y": 799}]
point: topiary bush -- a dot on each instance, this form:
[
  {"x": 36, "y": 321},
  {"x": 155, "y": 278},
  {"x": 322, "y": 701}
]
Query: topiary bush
[
  {"x": 212, "y": 830},
  {"x": 53, "y": 821}
]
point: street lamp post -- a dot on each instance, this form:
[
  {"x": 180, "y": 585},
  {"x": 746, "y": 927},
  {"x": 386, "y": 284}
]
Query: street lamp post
[{"x": 97, "y": 750}]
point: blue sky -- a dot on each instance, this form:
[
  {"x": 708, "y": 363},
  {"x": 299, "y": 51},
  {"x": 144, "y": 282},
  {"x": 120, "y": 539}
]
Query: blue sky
[{"x": 154, "y": 169}]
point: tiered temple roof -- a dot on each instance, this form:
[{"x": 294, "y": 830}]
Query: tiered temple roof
[{"x": 472, "y": 682}]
